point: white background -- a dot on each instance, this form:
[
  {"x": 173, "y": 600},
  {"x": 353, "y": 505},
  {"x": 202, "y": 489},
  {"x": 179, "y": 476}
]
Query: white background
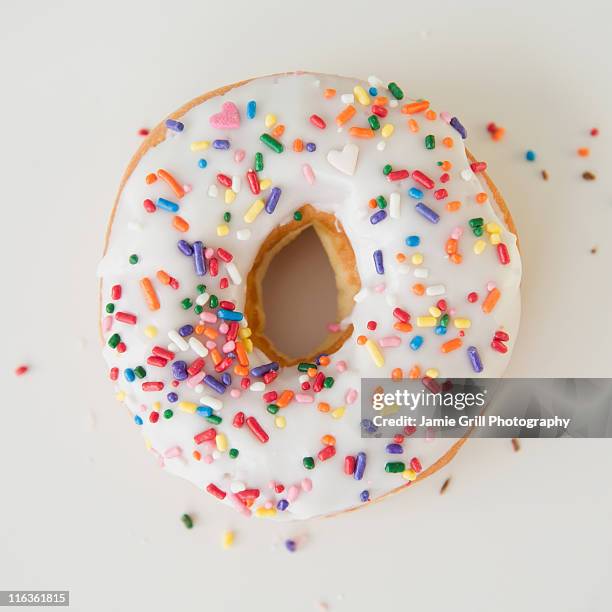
[{"x": 84, "y": 507}]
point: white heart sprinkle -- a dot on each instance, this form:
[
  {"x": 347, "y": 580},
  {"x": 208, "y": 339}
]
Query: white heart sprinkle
[
  {"x": 345, "y": 160},
  {"x": 213, "y": 191}
]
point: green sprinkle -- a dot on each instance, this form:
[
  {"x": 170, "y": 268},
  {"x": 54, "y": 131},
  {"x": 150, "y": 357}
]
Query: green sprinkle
[
  {"x": 227, "y": 217},
  {"x": 233, "y": 453},
  {"x": 272, "y": 408},
  {"x": 478, "y": 231},
  {"x": 276, "y": 146},
  {"x": 201, "y": 288},
  {"x": 187, "y": 521},
  {"x": 444, "y": 320},
  {"x": 168, "y": 414},
  {"x": 387, "y": 169},
  {"x": 430, "y": 141},
  {"x": 214, "y": 419},
  {"x": 213, "y": 302},
  {"x": 476, "y": 222},
  {"x": 304, "y": 367},
  {"x": 328, "y": 383},
  {"x": 395, "y": 90},
  {"x": 395, "y": 467},
  {"x": 133, "y": 259},
  {"x": 186, "y": 303},
  {"x": 114, "y": 340},
  {"x": 258, "y": 165},
  {"x": 308, "y": 462},
  {"x": 374, "y": 122},
  {"x": 382, "y": 203},
  {"x": 140, "y": 372},
  {"x": 198, "y": 309},
  {"x": 110, "y": 308},
  {"x": 297, "y": 215}
]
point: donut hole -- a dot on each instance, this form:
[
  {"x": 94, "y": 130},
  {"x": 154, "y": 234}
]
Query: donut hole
[{"x": 304, "y": 278}]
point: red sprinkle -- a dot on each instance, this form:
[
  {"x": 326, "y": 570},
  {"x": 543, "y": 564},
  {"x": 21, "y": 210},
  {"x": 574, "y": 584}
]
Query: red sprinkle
[
  {"x": 472, "y": 297},
  {"x": 498, "y": 346},
  {"x": 318, "y": 122},
  {"x": 152, "y": 386},
  {"x": 253, "y": 182},
  {"x": 257, "y": 430},
  {"x": 114, "y": 373},
  {"x": 156, "y": 361},
  {"x": 502, "y": 254},
  {"x": 326, "y": 452},
  {"x": 143, "y": 132},
  {"x": 225, "y": 180},
  {"x": 422, "y": 179},
  {"x": 216, "y": 491},
  {"x": 501, "y": 335},
  {"x": 160, "y": 351},
  {"x": 204, "y": 436},
  {"x": 440, "y": 194},
  {"x": 116, "y": 292},
  {"x": 402, "y": 315},
  {"x": 21, "y": 370},
  {"x": 126, "y": 317},
  {"x": 478, "y": 166},
  {"x": 349, "y": 464},
  {"x": 398, "y": 175},
  {"x": 238, "y": 421},
  {"x": 415, "y": 464},
  {"x": 379, "y": 111},
  {"x": 224, "y": 255},
  {"x": 149, "y": 206}
]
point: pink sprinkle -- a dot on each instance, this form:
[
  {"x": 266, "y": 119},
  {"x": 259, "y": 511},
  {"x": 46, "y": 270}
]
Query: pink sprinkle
[
  {"x": 457, "y": 233},
  {"x": 239, "y": 505},
  {"x": 304, "y": 398},
  {"x": 187, "y": 188},
  {"x": 235, "y": 393},
  {"x": 341, "y": 366},
  {"x": 228, "y": 347},
  {"x": 271, "y": 484},
  {"x": 207, "y": 459},
  {"x": 194, "y": 381},
  {"x": 107, "y": 323},
  {"x": 306, "y": 484},
  {"x": 211, "y": 345},
  {"x": 239, "y": 155},
  {"x": 351, "y": 396},
  {"x": 333, "y": 327},
  {"x": 208, "y": 317},
  {"x": 223, "y": 328},
  {"x": 452, "y": 311},
  {"x": 390, "y": 341},
  {"x": 490, "y": 286},
  {"x": 380, "y": 288},
  {"x": 174, "y": 451},
  {"x": 208, "y": 253},
  {"x": 308, "y": 173},
  {"x": 269, "y": 504},
  {"x": 292, "y": 493},
  {"x": 445, "y": 116}
]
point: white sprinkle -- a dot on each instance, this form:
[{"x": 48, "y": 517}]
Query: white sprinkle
[
  {"x": 303, "y": 378},
  {"x": 212, "y": 402},
  {"x": 347, "y": 98},
  {"x": 199, "y": 388},
  {"x": 435, "y": 290},
  {"x": 361, "y": 295},
  {"x": 236, "y": 486},
  {"x": 257, "y": 386},
  {"x": 197, "y": 347},
  {"x": 202, "y": 299},
  {"x": 393, "y": 103},
  {"x": 232, "y": 270},
  {"x": 374, "y": 81},
  {"x": 394, "y": 205},
  {"x": 467, "y": 174},
  {"x": 180, "y": 342},
  {"x": 216, "y": 454},
  {"x": 421, "y": 272},
  {"x": 381, "y": 146},
  {"x": 236, "y": 183},
  {"x": 243, "y": 234},
  {"x": 317, "y": 83},
  {"x": 213, "y": 191}
]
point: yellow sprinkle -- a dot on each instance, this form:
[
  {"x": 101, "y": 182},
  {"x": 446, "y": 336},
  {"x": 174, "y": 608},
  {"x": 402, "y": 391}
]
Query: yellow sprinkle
[
  {"x": 248, "y": 345},
  {"x": 265, "y": 184},
  {"x": 494, "y": 238},
  {"x": 361, "y": 95},
  {"x": 462, "y": 323},
  {"x": 245, "y": 332},
  {"x": 228, "y": 539},
  {"x": 417, "y": 259},
  {"x": 150, "y": 331},
  {"x": 156, "y": 405},
  {"x": 261, "y": 511},
  {"x": 375, "y": 353},
  {"x": 256, "y": 207},
  {"x": 280, "y": 422},
  {"x": 432, "y": 373},
  {"x": 270, "y": 120},
  {"x": 200, "y": 145},
  {"x": 223, "y": 229},
  {"x": 187, "y": 407},
  {"x": 409, "y": 475},
  {"x": 434, "y": 311},
  {"x": 492, "y": 228},
  {"x": 387, "y": 130},
  {"x": 148, "y": 444},
  {"x": 426, "y": 321},
  {"x": 221, "y": 442},
  {"x": 479, "y": 246},
  {"x": 121, "y": 395},
  {"x": 338, "y": 413},
  {"x": 230, "y": 196}
]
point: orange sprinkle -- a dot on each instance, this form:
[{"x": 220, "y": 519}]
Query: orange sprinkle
[
  {"x": 431, "y": 115},
  {"x": 298, "y": 145},
  {"x": 415, "y": 107},
  {"x": 324, "y": 360},
  {"x": 402, "y": 327},
  {"x": 311, "y": 372},
  {"x": 329, "y": 93},
  {"x": 200, "y": 329},
  {"x": 400, "y": 257},
  {"x": 396, "y": 374},
  {"x": 149, "y": 293},
  {"x": 164, "y": 175},
  {"x": 278, "y": 131},
  {"x": 413, "y": 125},
  {"x": 584, "y": 151},
  {"x": 451, "y": 246},
  {"x": 215, "y": 355},
  {"x": 453, "y": 206},
  {"x": 489, "y": 302},
  {"x": 345, "y": 115},
  {"x": 211, "y": 332},
  {"x": 456, "y": 258},
  {"x": 180, "y": 224},
  {"x": 415, "y": 372},
  {"x": 361, "y": 132},
  {"x": 498, "y": 134},
  {"x": 328, "y": 440},
  {"x": 241, "y": 370},
  {"x": 323, "y": 407},
  {"x": 361, "y": 339},
  {"x": 150, "y": 178},
  {"x": 372, "y": 203},
  {"x": 448, "y": 142},
  {"x": 285, "y": 398},
  {"x": 481, "y": 197},
  {"x": 197, "y": 455},
  {"x": 241, "y": 354},
  {"x": 446, "y": 165},
  {"x": 418, "y": 289},
  {"x": 163, "y": 277},
  {"x": 451, "y": 345},
  {"x": 381, "y": 101}
]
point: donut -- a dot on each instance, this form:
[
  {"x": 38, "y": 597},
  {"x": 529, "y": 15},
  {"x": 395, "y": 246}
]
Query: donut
[{"x": 427, "y": 268}]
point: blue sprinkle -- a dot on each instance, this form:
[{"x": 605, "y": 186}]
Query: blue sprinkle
[
  {"x": 364, "y": 496},
  {"x": 272, "y": 200},
  {"x": 377, "y": 217},
  {"x": 129, "y": 374},
  {"x": 441, "y": 330},
  {"x": 214, "y": 384},
  {"x": 186, "y": 330},
  {"x": 264, "y": 369},
  {"x": 457, "y": 125},
  {"x": 475, "y": 360},
  {"x": 167, "y": 205},
  {"x": 251, "y": 109},
  {"x": 172, "y": 397},
  {"x": 311, "y": 147},
  {"x": 290, "y": 545},
  {"x": 530, "y": 155},
  {"x": 175, "y": 126},
  {"x": 204, "y": 411},
  {"x": 221, "y": 144},
  {"x": 368, "y": 426},
  {"x": 137, "y": 420},
  {"x": 360, "y": 466},
  {"x": 416, "y": 343},
  {"x": 395, "y": 449},
  {"x": 226, "y": 379},
  {"x": 202, "y": 163},
  {"x": 415, "y": 193},
  {"x": 373, "y": 91},
  {"x": 431, "y": 215},
  {"x": 413, "y": 241},
  {"x": 282, "y": 505},
  {"x": 378, "y": 262},
  {"x": 179, "y": 370},
  {"x": 230, "y": 315},
  {"x": 199, "y": 262},
  {"x": 185, "y": 248}
]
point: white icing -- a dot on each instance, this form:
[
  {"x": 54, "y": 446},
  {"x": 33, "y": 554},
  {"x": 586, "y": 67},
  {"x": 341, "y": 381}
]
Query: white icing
[{"x": 298, "y": 431}]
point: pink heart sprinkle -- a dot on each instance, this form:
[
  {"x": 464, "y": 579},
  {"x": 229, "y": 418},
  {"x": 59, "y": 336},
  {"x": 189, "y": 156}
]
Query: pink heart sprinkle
[
  {"x": 227, "y": 119},
  {"x": 380, "y": 288},
  {"x": 239, "y": 155},
  {"x": 208, "y": 253}
]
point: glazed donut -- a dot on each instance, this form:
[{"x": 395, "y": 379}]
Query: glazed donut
[{"x": 427, "y": 269}]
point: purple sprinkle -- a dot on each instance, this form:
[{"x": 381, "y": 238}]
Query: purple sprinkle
[
  {"x": 172, "y": 397},
  {"x": 378, "y": 262},
  {"x": 264, "y": 369},
  {"x": 377, "y": 217},
  {"x": 226, "y": 379},
  {"x": 431, "y": 215},
  {"x": 186, "y": 330},
  {"x": 198, "y": 258},
  {"x": 475, "y": 360},
  {"x": 179, "y": 370},
  {"x": 175, "y": 126},
  {"x": 290, "y": 545},
  {"x": 282, "y": 505},
  {"x": 457, "y": 125},
  {"x": 360, "y": 466},
  {"x": 272, "y": 200},
  {"x": 364, "y": 496},
  {"x": 311, "y": 146},
  {"x": 395, "y": 449},
  {"x": 185, "y": 248},
  {"x": 221, "y": 144},
  {"x": 214, "y": 384}
]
